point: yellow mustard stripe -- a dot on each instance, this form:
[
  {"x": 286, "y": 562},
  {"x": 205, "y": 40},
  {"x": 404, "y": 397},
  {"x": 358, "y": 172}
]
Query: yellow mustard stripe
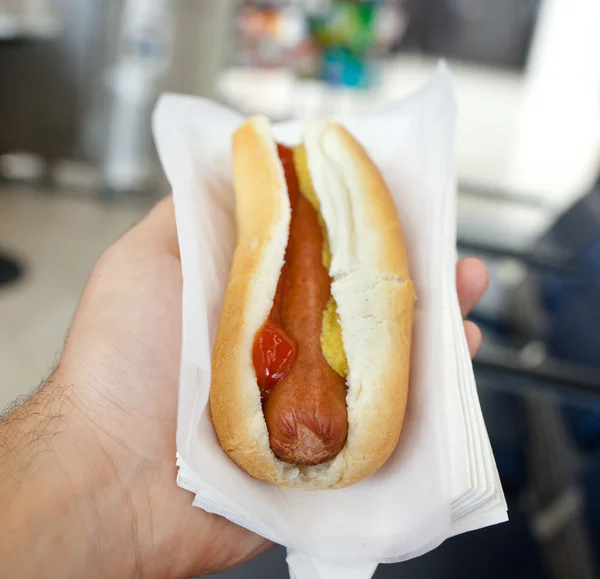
[{"x": 332, "y": 341}]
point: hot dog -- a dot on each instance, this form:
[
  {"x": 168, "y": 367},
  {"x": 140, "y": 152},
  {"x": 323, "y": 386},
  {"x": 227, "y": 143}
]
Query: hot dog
[
  {"x": 311, "y": 358},
  {"x": 306, "y": 412}
]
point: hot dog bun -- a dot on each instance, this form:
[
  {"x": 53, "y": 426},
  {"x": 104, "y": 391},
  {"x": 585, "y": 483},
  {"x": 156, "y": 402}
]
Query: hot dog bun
[{"x": 369, "y": 281}]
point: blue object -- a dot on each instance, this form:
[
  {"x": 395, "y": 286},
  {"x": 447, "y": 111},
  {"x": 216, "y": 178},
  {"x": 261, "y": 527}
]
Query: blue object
[
  {"x": 573, "y": 304},
  {"x": 341, "y": 68}
]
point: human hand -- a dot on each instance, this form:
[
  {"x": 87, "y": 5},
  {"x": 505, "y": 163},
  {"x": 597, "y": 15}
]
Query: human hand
[
  {"x": 123, "y": 354},
  {"x": 114, "y": 403},
  {"x": 472, "y": 280},
  {"x": 93, "y": 453}
]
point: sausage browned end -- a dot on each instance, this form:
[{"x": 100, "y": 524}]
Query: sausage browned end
[{"x": 306, "y": 412}]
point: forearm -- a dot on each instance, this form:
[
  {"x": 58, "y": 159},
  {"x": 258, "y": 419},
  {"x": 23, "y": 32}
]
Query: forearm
[{"x": 58, "y": 501}]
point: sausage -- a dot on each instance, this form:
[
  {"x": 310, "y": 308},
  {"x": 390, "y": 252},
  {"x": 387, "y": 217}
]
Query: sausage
[{"x": 304, "y": 398}]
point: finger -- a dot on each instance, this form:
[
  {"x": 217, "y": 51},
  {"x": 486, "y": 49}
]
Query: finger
[
  {"x": 158, "y": 229},
  {"x": 472, "y": 280},
  {"x": 474, "y": 337}
]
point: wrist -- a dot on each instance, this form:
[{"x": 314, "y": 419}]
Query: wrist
[{"x": 65, "y": 510}]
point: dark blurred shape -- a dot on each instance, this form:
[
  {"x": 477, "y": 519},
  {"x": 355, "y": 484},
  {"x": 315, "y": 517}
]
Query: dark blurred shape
[
  {"x": 552, "y": 308},
  {"x": 480, "y": 31},
  {"x": 38, "y": 102},
  {"x": 46, "y": 84},
  {"x": 590, "y": 481},
  {"x": 268, "y": 565},
  {"x": 573, "y": 303},
  {"x": 576, "y": 232},
  {"x": 10, "y": 271},
  {"x": 506, "y": 424}
]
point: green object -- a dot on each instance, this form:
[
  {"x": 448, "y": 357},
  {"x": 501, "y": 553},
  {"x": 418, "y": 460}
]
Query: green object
[
  {"x": 346, "y": 35},
  {"x": 348, "y": 25}
]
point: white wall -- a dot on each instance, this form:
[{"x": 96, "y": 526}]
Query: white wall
[{"x": 556, "y": 150}]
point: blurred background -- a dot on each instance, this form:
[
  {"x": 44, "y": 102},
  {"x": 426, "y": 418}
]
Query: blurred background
[{"x": 77, "y": 168}]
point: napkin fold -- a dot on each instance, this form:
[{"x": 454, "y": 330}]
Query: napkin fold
[{"x": 442, "y": 479}]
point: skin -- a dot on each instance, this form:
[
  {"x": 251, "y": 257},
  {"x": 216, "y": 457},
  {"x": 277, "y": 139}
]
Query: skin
[{"x": 87, "y": 470}]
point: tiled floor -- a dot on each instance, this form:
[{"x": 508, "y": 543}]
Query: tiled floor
[{"x": 58, "y": 239}]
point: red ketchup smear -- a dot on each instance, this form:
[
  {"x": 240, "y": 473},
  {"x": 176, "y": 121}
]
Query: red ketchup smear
[{"x": 274, "y": 352}]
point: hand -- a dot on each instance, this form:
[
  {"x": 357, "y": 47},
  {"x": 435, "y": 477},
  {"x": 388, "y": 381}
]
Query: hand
[
  {"x": 109, "y": 417},
  {"x": 110, "y": 439},
  {"x": 471, "y": 282},
  {"x": 123, "y": 352}
]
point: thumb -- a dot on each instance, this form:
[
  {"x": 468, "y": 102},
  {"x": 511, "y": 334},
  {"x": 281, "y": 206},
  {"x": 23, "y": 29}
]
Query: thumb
[{"x": 158, "y": 230}]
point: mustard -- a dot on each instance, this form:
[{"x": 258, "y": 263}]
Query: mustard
[{"x": 332, "y": 342}]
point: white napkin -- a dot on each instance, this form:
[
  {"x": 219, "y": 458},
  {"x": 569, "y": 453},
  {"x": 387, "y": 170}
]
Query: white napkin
[{"x": 442, "y": 478}]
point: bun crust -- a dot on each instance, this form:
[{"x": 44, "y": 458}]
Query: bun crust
[{"x": 371, "y": 285}]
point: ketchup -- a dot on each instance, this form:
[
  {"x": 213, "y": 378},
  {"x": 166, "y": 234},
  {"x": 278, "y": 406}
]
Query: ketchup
[{"x": 274, "y": 352}]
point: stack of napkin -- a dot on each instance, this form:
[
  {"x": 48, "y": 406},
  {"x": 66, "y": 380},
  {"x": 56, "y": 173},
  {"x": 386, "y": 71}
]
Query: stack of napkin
[{"x": 442, "y": 478}]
